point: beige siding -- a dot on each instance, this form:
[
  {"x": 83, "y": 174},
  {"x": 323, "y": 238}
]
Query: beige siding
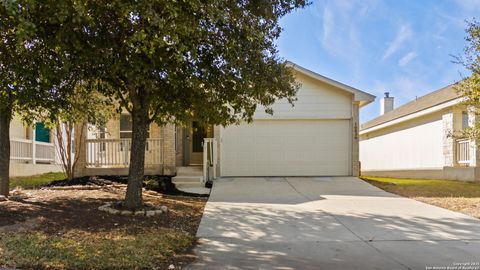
[
  {"x": 17, "y": 129},
  {"x": 315, "y": 100},
  {"x": 416, "y": 144}
]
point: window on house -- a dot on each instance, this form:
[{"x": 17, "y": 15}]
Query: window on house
[
  {"x": 101, "y": 134},
  {"x": 464, "y": 120},
  {"x": 125, "y": 126}
]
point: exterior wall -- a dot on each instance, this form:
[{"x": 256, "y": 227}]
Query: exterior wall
[
  {"x": 412, "y": 145},
  {"x": 27, "y": 169},
  {"x": 422, "y": 148},
  {"x": 315, "y": 100},
  {"x": 169, "y": 155},
  {"x": 18, "y": 130}
]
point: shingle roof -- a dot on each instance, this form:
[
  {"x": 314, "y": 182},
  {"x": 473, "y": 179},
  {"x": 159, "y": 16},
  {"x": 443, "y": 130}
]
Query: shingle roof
[{"x": 437, "y": 97}]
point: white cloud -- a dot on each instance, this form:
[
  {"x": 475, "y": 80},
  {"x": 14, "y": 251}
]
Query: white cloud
[
  {"x": 472, "y": 6},
  {"x": 407, "y": 59},
  {"x": 403, "y": 34}
]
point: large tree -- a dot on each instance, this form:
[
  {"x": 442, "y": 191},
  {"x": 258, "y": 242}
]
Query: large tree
[
  {"x": 470, "y": 86},
  {"x": 213, "y": 61}
]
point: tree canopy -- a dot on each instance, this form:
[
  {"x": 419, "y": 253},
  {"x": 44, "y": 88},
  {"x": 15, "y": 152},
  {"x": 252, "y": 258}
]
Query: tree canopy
[
  {"x": 470, "y": 86},
  {"x": 212, "y": 61}
]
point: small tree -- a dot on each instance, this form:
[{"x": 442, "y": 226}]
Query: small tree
[
  {"x": 83, "y": 105},
  {"x": 470, "y": 87}
]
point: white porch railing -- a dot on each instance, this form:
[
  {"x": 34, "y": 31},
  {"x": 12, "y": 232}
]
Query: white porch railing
[
  {"x": 209, "y": 159},
  {"x": 28, "y": 150},
  {"x": 463, "y": 151},
  {"x": 115, "y": 153}
]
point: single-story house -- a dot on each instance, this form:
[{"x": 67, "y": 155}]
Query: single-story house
[
  {"x": 32, "y": 149},
  {"x": 316, "y": 137},
  {"x": 415, "y": 140}
]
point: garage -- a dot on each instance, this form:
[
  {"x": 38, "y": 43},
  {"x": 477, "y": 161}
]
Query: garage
[{"x": 287, "y": 147}]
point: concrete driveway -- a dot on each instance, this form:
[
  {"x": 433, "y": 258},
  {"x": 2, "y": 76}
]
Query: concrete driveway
[{"x": 328, "y": 223}]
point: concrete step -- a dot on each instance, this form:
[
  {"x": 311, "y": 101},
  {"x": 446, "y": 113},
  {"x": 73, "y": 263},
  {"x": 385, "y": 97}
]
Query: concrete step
[
  {"x": 181, "y": 185},
  {"x": 196, "y": 190},
  {"x": 187, "y": 178},
  {"x": 190, "y": 171}
]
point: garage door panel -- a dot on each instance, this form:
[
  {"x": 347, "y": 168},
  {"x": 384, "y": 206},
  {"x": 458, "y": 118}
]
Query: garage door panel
[{"x": 286, "y": 147}]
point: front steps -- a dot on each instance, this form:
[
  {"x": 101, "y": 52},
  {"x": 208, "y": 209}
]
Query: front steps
[{"x": 189, "y": 179}]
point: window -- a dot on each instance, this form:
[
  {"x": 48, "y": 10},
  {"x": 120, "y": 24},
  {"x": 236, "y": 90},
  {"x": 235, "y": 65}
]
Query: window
[
  {"x": 464, "y": 120},
  {"x": 125, "y": 126},
  {"x": 101, "y": 134}
]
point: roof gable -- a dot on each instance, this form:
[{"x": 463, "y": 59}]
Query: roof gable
[{"x": 363, "y": 97}]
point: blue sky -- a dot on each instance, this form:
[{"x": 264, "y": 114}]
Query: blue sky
[{"x": 403, "y": 47}]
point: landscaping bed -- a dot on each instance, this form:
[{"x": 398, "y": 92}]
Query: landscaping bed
[
  {"x": 63, "y": 229},
  {"x": 458, "y": 196}
]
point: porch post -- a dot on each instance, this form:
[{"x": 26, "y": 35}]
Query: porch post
[{"x": 34, "y": 146}]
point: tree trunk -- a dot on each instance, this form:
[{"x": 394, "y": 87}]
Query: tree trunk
[
  {"x": 140, "y": 122},
  {"x": 5, "y": 117}
]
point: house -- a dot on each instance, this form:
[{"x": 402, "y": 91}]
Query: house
[
  {"x": 32, "y": 149},
  {"x": 316, "y": 137},
  {"x": 415, "y": 140}
]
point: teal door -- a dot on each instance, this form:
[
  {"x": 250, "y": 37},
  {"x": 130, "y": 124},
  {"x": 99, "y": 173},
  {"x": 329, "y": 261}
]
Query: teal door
[{"x": 42, "y": 134}]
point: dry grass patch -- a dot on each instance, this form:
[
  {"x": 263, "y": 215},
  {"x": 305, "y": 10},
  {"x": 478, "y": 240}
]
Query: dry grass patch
[{"x": 458, "y": 196}]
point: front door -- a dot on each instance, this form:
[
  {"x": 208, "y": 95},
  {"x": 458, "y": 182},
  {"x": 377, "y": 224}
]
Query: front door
[{"x": 195, "y": 135}]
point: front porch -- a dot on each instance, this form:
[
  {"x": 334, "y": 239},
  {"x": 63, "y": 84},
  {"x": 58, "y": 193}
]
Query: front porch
[{"x": 188, "y": 154}]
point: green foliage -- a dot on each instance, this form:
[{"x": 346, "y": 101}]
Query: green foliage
[
  {"x": 101, "y": 250},
  {"x": 212, "y": 61},
  {"x": 470, "y": 86},
  {"x": 35, "y": 181}
]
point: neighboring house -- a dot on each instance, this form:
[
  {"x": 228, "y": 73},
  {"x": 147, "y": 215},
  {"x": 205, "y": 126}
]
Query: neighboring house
[
  {"x": 32, "y": 149},
  {"x": 316, "y": 137},
  {"x": 414, "y": 140}
]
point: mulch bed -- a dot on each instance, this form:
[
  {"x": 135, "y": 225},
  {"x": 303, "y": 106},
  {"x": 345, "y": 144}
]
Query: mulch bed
[
  {"x": 59, "y": 211},
  {"x": 160, "y": 184}
]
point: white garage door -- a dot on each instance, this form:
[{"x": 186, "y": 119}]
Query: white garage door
[{"x": 287, "y": 148}]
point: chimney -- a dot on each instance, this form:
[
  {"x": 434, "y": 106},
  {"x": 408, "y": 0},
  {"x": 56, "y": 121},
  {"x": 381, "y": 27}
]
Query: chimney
[{"x": 386, "y": 104}]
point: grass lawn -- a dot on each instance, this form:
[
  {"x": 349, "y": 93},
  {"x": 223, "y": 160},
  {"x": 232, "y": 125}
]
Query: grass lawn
[
  {"x": 99, "y": 250},
  {"x": 454, "y": 195},
  {"x": 35, "y": 181},
  {"x": 63, "y": 229}
]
